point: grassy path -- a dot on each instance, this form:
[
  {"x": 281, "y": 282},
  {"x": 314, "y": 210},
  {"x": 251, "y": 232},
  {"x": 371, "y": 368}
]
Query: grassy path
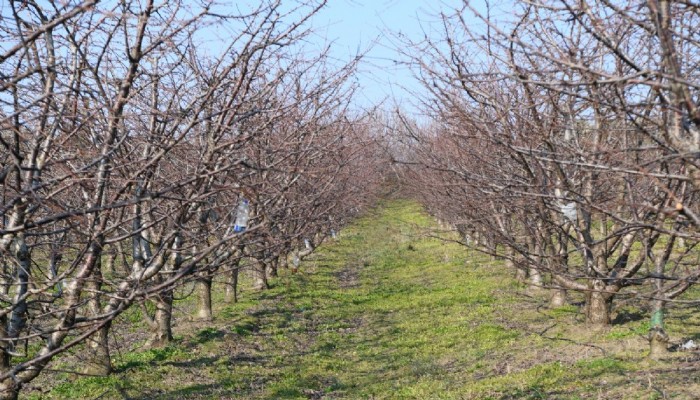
[{"x": 388, "y": 312}]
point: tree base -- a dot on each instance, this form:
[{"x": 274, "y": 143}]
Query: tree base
[
  {"x": 97, "y": 368},
  {"x": 158, "y": 341},
  {"x": 558, "y": 298},
  {"x": 658, "y": 343}
]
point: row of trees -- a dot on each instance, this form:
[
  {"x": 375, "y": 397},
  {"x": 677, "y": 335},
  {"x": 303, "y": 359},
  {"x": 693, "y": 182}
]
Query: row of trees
[
  {"x": 565, "y": 138},
  {"x": 131, "y": 142}
]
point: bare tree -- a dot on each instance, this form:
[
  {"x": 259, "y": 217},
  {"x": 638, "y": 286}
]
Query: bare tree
[
  {"x": 127, "y": 143},
  {"x": 563, "y": 136}
]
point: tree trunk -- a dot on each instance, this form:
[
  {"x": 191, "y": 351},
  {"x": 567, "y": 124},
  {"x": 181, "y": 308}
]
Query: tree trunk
[
  {"x": 8, "y": 390},
  {"x": 259, "y": 276},
  {"x": 283, "y": 261},
  {"x": 99, "y": 362},
  {"x": 4, "y": 290},
  {"x": 231, "y": 294},
  {"x": 161, "y": 330},
  {"x": 535, "y": 284},
  {"x": 271, "y": 269},
  {"x": 598, "y": 304},
  {"x": 658, "y": 343},
  {"x": 560, "y": 265},
  {"x": 515, "y": 262},
  {"x": 535, "y": 279},
  {"x": 18, "y": 317},
  {"x": 122, "y": 266},
  {"x": 658, "y": 338},
  {"x": 558, "y": 298},
  {"x": 4, "y": 356},
  {"x": 204, "y": 305},
  {"x": 162, "y": 322}
]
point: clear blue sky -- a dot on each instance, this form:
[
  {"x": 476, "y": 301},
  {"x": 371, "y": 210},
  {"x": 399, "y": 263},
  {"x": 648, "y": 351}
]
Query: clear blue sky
[
  {"x": 369, "y": 27},
  {"x": 353, "y": 26}
]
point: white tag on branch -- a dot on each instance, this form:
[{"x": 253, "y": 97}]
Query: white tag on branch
[
  {"x": 242, "y": 216},
  {"x": 307, "y": 244},
  {"x": 569, "y": 211}
]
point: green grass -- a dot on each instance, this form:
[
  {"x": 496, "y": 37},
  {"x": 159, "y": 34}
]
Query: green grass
[{"x": 389, "y": 312}]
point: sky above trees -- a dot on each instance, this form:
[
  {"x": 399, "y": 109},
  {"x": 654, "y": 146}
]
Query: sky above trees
[{"x": 373, "y": 26}]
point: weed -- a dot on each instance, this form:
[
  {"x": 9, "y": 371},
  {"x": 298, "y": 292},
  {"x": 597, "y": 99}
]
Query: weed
[
  {"x": 596, "y": 367},
  {"x": 142, "y": 359},
  {"x": 90, "y": 387}
]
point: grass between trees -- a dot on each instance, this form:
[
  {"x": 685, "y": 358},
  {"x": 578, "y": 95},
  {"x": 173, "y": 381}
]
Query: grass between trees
[{"x": 389, "y": 311}]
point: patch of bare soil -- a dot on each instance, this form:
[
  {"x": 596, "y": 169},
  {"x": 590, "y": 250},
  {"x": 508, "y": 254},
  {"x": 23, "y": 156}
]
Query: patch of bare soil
[{"x": 349, "y": 276}]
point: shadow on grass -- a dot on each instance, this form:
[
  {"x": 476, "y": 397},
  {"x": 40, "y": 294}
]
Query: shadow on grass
[
  {"x": 209, "y": 334},
  {"x": 626, "y": 316},
  {"x": 193, "y": 363},
  {"x": 193, "y": 391}
]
